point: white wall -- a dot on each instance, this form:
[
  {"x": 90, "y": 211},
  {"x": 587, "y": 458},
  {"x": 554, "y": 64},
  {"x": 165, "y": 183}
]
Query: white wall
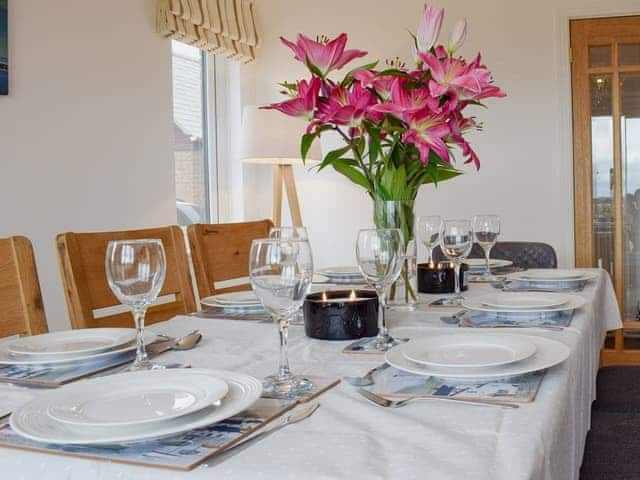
[
  {"x": 525, "y": 149},
  {"x": 85, "y": 134}
]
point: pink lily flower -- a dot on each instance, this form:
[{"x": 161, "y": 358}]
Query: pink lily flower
[
  {"x": 323, "y": 57},
  {"x": 429, "y": 28},
  {"x": 348, "y": 107},
  {"x": 427, "y": 132},
  {"x": 459, "y": 125},
  {"x": 467, "y": 81},
  {"x": 380, "y": 83},
  {"x": 406, "y": 99},
  {"x": 304, "y": 104}
]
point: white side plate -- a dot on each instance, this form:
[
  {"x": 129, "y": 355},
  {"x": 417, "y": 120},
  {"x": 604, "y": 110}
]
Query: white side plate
[
  {"x": 480, "y": 263},
  {"x": 572, "y": 302},
  {"x": 73, "y": 342},
  {"x": 548, "y": 354},
  {"x": 7, "y": 358},
  {"x": 469, "y": 351},
  {"x": 525, "y": 300},
  {"x": 553, "y": 275},
  {"x": 236, "y": 298},
  {"x": 32, "y": 421},
  {"x": 137, "y": 398}
]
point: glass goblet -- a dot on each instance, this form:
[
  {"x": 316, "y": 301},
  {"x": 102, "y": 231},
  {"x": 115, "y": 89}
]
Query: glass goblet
[
  {"x": 429, "y": 230},
  {"x": 281, "y": 272},
  {"x": 380, "y": 255},
  {"x": 486, "y": 229},
  {"x": 457, "y": 240},
  {"x": 136, "y": 271}
]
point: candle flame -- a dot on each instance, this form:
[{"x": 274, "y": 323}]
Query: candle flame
[
  {"x": 352, "y": 295},
  {"x": 324, "y": 296}
]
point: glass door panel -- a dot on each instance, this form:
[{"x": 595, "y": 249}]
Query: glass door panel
[
  {"x": 630, "y": 155},
  {"x": 602, "y": 171}
]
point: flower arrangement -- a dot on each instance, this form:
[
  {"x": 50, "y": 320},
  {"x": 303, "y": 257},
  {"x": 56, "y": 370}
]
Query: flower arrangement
[{"x": 400, "y": 125}]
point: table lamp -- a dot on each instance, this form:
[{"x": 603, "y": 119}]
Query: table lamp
[{"x": 273, "y": 138}]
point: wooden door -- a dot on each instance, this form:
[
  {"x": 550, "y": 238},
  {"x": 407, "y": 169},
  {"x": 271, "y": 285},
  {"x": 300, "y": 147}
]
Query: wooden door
[{"x": 605, "y": 76}]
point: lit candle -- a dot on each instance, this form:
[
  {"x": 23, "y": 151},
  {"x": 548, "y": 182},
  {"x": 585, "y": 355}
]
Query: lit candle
[{"x": 324, "y": 296}]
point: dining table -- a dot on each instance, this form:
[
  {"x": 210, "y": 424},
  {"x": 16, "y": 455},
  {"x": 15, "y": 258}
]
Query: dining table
[{"x": 350, "y": 437}]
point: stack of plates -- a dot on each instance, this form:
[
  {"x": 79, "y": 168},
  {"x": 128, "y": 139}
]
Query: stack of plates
[
  {"x": 467, "y": 355},
  {"x": 343, "y": 275},
  {"x": 135, "y": 406},
  {"x": 72, "y": 346},
  {"x": 526, "y": 302},
  {"x": 551, "y": 279},
  {"x": 245, "y": 301},
  {"x": 479, "y": 265}
]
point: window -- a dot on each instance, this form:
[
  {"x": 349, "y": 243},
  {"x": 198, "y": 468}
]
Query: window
[{"x": 191, "y": 117}]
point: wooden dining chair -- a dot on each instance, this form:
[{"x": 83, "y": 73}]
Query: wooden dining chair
[
  {"x": 21, "y": 308},
  {"x": 90, "y": 301},
  {"x": 220, "y": 254}
]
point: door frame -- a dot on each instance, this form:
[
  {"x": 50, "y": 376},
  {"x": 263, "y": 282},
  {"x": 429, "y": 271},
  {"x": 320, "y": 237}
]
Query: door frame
[{"x": 562, "y": 41}]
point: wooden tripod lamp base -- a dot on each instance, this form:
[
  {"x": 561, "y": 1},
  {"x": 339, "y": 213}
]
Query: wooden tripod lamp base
[{"x": 283, "y": 174}]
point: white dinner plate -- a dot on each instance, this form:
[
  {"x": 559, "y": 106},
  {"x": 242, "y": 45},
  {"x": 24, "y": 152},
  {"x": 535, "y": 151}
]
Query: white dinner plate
[
  {"x": 32, "y": 421},
  {"x": 211, "y": 302},
  {"x": 570, "y": 302},
  {"x": 6, "y": 358},
  {"x": 553, "y": 275},
  {"x": 341, "y": 272},
  {"x": 136, "y": 398},
  {"x": 548, "y": 354},
  {"x": 72, "y": 342},
  {"x": 469, "y": 351},
  {"x": 524, "y": 300},
  {"x": 247, "y": 297},
  {"x": 480, "y": 263}
]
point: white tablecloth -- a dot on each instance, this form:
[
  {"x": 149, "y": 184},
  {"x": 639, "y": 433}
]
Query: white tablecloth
[{"x": 349, "y": 437}]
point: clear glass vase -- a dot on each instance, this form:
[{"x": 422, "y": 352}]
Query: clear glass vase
[{"x": 399, "y": 214}]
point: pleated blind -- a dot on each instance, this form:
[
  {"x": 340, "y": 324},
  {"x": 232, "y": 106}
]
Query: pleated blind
[{"x": 226, "y": 27}]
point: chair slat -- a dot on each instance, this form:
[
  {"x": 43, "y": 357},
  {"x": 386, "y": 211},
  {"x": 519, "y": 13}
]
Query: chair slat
[
  {"x": 21, "y": 308},
  {"x": 82, "y": 264}
]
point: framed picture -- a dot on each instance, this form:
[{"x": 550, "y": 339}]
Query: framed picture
[{"x": 4, "y": 48}]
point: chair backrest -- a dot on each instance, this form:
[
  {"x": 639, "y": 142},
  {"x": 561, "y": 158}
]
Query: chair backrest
[
  {"x": 82, "y": 264},
  {"x": 220, "y": 254},
  {"x": 21, "y": 308},
  {"x": 522, "y": 254}
]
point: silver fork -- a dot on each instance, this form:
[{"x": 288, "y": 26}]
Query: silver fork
[{"x": 385, "y": 402}]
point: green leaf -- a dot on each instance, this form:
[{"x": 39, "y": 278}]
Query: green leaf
[
  {"x": 333, "y": 156},
  {"x": 352, "y": 173},
  {"x": 305, "y": 144}
]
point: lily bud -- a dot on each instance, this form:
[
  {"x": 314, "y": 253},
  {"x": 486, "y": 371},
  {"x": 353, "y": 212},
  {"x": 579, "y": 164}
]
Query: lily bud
[
  {"x": 429, "y": 28},
  {"x": 458, "y": 36}
]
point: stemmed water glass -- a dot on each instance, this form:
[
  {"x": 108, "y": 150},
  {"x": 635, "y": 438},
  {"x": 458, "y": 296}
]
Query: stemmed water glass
[
  {"x": 291, "y": 233},
  {"x": 380, "y": 255},
  {"x": 281, "y": 272},
  {"x": 486, "y": 229},
  {"x": 457, "y": 240},
  {"x": 429, "y": 230},
  {"x": 135, "y": 272}
]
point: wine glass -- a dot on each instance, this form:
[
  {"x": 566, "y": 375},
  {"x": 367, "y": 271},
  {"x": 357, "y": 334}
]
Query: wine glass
[
  {"x": 486, "y": 229},
  {"x": 457, "y": 240},
  {"x": 289, "y": 233},
  {"x": 281, "y": 272},
  {"x": 429, "y": 230},
  {"x": 135, "y": 272},
  {"x": 380, "y": 255}
]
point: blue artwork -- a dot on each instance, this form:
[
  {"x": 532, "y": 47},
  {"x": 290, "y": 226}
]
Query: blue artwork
[{"x": 4, "y": 48}]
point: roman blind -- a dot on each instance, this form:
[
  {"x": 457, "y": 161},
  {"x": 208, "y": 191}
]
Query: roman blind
[{"x": 226, "y": 27}]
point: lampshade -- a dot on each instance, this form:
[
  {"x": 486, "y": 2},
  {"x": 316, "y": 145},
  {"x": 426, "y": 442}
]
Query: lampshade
[{"x": 269, "y": 136}]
